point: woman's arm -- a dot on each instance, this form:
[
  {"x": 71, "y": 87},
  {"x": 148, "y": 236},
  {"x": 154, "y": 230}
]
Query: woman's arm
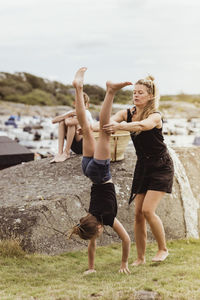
[
  {"x": 152, "y": 121},
  {"x": 91, "y": 256},
  {"x": 118, "y": 117},
  {"x": 63, "y": 117},
  {"x": 121, "y": 231}
]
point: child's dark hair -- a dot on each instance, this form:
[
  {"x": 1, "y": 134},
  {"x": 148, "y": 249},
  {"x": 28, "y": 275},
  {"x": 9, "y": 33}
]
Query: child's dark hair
[{"x": 87, "y": 228}]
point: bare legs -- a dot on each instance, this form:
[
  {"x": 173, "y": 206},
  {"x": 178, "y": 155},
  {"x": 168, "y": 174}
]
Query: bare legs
[
  {"x": 69, "y": 132},
  {"x": 140, "y": 230},
  {"x": 88, "y": 138},
  {"x": 102, "y": 150},
  {"x": 145, "y": 207}
]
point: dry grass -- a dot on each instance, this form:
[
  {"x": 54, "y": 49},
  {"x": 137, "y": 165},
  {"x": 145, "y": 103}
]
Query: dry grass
[{"x": 11, "y": 248}]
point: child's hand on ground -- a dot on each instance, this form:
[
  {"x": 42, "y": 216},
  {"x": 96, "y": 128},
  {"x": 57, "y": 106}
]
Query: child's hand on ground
[
  {"x": 124, "y": 268},
  {"x": 89, "y": 272}
]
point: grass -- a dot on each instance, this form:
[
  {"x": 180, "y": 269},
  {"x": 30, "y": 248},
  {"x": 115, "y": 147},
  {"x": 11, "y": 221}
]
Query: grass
[{"x": 36, "y": 276}]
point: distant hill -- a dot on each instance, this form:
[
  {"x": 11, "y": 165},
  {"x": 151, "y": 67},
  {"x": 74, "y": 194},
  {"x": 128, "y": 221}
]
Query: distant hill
[
  {"x": 194, "y": 99},
  {"x": 22, "y": 87}
]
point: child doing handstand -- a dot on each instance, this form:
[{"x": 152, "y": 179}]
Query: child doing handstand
[{"x": 96, "y": 166}]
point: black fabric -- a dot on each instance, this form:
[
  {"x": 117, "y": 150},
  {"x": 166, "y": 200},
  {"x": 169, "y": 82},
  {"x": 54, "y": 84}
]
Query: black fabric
[
  {"x": 154, "y": 167},
  {"x": 148, "y": 143},
  {"x": 77, "y": 147},
  {"x": 103, "y": 203}
]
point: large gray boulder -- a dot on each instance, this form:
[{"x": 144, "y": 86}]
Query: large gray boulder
[{"x": 40, "y": 202}]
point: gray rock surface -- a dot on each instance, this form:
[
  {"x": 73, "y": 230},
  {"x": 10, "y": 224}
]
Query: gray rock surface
[
  {"x": 40, "y": 202},
  {"x": 147, "y": 295}
]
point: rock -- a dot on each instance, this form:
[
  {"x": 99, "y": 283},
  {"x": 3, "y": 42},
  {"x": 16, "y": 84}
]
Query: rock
[
  {"x": 40, "y": 202},
  {"x": 196, "y": 141},
  {"x": 146, "y": 295}
]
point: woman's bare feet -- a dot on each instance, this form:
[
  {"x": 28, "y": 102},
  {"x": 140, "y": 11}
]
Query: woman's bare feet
[
  {"x": 138, "y": 262},
  {"x": 117, "y": 86},
  {"x": 78, "y": 79},
  {"x": 90, "y": 271},
  {"x": 161, "y": 255},
  {"x": 60, "y": 157}
]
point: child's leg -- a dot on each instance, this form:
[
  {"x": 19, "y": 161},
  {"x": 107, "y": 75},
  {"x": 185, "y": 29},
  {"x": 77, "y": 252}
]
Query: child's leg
[
  {"x": 61, "y": 138},
  {"x": 102, "y": 150},
  {"x": 69, "y": 136},
  {"x": 78, "y": 136},
  {"x": 88, "y": 138}
]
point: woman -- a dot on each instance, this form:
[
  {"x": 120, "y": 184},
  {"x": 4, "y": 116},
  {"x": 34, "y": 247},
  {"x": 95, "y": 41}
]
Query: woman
[
  {"x": 96, "y": 166},
  {"x": 153, "y": 176}
]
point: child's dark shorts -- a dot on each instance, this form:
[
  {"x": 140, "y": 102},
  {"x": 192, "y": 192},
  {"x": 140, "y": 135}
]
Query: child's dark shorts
[
  {"x": 77, "y": 147},
  {"x": 97, "y": 170}
]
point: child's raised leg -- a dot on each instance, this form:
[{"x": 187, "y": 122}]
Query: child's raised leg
[
  {"x": 88, "y": 138},
  {"x": 102, "y": 150},
  {"x": 61, "y": 138}
]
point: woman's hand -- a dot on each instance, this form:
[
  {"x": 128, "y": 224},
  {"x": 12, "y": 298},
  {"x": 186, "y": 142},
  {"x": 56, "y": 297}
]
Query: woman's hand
[{"x": 111, "y": 127}]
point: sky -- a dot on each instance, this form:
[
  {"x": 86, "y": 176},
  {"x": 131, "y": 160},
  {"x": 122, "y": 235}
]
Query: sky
[{"x": 116, "y": 40}]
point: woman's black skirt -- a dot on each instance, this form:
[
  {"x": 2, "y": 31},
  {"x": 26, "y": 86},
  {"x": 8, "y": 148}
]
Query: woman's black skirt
[{"x": 153, "y": 173}]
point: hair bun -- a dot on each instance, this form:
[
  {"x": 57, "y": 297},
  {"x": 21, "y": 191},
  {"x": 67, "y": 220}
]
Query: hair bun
[{"x": 150, "y": 77}]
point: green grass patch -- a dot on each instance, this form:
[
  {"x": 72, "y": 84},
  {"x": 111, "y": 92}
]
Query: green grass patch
[{"x": 60, "y": 277}]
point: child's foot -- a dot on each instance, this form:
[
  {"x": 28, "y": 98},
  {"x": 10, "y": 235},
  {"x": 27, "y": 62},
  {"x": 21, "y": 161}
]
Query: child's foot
[
  {"x": 138, "y": 262},
  {"x": 60, "y": 158},
  {"x": 161, "y": 255},
  {"x": 117, "y": 86},
  {"x": 78, "y": 79}
]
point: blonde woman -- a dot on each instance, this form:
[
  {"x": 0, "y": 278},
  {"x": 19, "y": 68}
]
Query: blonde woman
[{"x": 153, "y": 175}]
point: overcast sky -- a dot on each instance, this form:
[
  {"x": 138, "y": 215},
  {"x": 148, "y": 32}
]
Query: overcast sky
[{"x": 115, "y": 39}]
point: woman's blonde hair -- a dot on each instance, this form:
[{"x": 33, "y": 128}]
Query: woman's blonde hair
[{"x": 153, "y": 103}]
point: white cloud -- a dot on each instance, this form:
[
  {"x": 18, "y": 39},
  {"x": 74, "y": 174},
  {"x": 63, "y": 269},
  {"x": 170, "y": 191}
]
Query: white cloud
[{"x": 121, "y": 39}]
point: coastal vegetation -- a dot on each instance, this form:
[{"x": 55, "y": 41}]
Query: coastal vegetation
[
  {"x": 33, "y": 90},
  {"x": 22, "y": 87},
  {"x": 40, "y": 276}
]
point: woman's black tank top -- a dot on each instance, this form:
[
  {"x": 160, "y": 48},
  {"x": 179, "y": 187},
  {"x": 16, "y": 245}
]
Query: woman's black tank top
[{"x": 149, "y": 143}]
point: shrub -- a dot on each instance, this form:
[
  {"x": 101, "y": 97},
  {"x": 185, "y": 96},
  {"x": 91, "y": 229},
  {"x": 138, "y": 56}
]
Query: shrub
[
  {"x": 36, "y": 97},
  {"x": 95, "y": 92},
  {"x": 35, "y": 82},
  {"x": 123, "y": 96},
  {"x": 11, "y": 248},
  {"x": 6, "y": 91},
  {"x": 64, "y": 99}
]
